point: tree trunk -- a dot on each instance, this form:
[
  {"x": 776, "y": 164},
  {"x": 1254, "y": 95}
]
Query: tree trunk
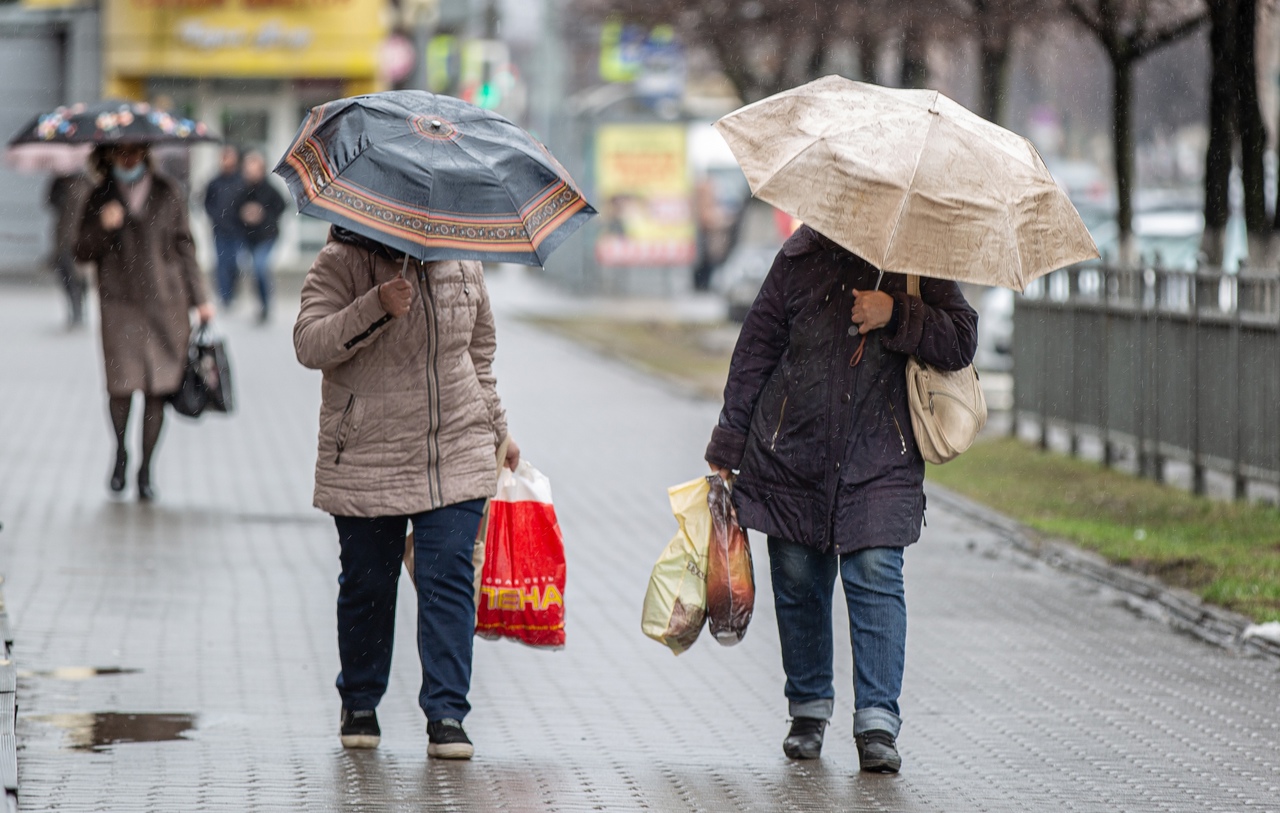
[
  {"x": 817, "y": 58},
  {"x": 1217, "y": 161},
  {"x": 729, "y": 54},
  {"x": 868, "y": 54},
  {"x": 1253, "y": 133},
  {"x": 994, "y": 79},
  {"x": 915, "y": 70},
  {"x": 1122, "y": 148}
]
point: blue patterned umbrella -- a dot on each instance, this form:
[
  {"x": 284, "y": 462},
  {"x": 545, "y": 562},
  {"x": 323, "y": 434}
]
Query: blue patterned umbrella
[
  {"x": 434, "y": 177},
  {"x": 111, "y": 122}
]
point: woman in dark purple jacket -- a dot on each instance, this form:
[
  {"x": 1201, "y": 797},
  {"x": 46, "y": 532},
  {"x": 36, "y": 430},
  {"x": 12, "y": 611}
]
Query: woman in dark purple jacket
[{"x": 816, "y": 423}]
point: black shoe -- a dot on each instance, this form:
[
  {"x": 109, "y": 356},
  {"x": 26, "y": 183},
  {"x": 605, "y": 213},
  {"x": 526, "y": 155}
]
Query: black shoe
[
  {"x": 448, "y": 740},
  {"x": 118, "y": 473},
  {"x": 804, "y": 741},
  {"x": 877, "y": 751},
  {"x": 360, "y": 729},
  {"x": 145, "y": 492}
]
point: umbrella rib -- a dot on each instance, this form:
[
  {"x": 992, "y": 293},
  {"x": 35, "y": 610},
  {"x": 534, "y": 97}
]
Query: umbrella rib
[
  {"x": 515, "y": 206},
  {"x": 897, "y": 223},
  {"x": 775, "y": 173}
]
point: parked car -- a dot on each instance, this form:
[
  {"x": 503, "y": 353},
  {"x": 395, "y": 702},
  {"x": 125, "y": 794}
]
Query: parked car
[
  {"x": 995, "y": 330},
  {"x": 761, "y": 233}
]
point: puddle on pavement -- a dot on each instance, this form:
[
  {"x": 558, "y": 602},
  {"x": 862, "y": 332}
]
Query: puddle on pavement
[
  {"x": 79, "y": 672},
  {"x": 96, "y": 732}
]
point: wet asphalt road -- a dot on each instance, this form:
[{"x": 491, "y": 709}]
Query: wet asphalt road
[{"x": 1026, "y": 690}]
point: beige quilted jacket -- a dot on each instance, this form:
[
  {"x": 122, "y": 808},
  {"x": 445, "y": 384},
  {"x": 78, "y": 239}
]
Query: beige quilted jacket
[{"x": 410, "y": 416}]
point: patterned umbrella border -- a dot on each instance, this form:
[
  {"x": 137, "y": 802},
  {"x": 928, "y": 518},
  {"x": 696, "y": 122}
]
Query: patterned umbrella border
[{"x": 323, "y": 187}]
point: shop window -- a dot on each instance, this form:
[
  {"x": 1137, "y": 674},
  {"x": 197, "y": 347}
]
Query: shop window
[{"x": 246, "y": 128}]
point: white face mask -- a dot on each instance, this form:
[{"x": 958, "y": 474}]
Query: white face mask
[{"x": 133, "y": 175}]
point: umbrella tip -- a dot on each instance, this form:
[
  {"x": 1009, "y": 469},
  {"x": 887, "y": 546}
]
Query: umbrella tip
[{"x": 435, "y": 123}]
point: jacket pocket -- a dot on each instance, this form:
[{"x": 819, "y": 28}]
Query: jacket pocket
[{"x": 342, "y": 435}]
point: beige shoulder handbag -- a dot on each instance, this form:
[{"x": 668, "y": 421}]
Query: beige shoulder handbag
[{"x": 948, "y": 409}]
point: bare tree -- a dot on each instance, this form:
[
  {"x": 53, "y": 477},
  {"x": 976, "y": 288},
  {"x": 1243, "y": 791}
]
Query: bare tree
[
  {"x": 1128, "y": 31},
  {"x": 762, "y": 46},
  {"x": 992, "y": 25},
  {"x": 1222, "y": 114},
  {"x": 1251, "y": 129},
  {"x": 915, "y": 44}
]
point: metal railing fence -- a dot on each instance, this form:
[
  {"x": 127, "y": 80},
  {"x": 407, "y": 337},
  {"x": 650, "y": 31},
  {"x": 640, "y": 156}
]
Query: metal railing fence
[{"x": 1175, "y": 365}]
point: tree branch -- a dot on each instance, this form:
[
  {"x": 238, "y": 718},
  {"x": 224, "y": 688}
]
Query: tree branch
[
  {"x": 1142, "y": 44},
  {"x": 1081, "y": 16}
]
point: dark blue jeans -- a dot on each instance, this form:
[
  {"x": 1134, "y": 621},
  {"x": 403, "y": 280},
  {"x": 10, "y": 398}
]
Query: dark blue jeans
[
  {"x": 260, "y": 254},
  {"x": 227, "y": 248},
  {"x": 803, "y": 583},
  {"x": 372, "y": 553}
]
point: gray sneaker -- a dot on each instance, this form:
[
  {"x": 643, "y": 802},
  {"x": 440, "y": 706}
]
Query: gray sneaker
[
  {"x": 877, "y": 751},
  {"x": 448, "y": 740},
  {"x": 359, "y": 729}
]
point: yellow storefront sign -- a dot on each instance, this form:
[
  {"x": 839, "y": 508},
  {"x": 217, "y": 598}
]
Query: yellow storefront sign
[
  {"x": 643, "y": 184},
  {"x": 243, "y": 38}
]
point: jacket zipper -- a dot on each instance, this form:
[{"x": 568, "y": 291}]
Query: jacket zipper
[
  {"x": 435, "y": 487},
  {"x": 340, "y": 438},
  {"x": 782, "y": 413},
  {"x": 893, "y": 413}
]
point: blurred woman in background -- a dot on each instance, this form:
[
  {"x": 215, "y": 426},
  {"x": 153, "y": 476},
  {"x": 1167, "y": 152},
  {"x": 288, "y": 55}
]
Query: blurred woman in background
[{"x": 135, "y": 230}]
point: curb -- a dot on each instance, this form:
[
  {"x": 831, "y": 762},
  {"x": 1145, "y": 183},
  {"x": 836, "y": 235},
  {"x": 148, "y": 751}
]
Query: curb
[
  {"x": 1181, "y": 609},
  {"x": 8, "y": 712}
]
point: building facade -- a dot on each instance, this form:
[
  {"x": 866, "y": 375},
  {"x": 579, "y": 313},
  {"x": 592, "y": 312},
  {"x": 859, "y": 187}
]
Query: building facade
[
  {"x": 48, "y": 56},
  {"x": 250, "y": 69}
]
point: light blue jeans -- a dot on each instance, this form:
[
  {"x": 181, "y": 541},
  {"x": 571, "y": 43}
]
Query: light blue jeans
[{"x": 803, "y": 584}]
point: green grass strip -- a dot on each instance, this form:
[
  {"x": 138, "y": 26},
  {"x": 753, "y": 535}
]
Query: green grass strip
[{"x": 1227, "y": 552}]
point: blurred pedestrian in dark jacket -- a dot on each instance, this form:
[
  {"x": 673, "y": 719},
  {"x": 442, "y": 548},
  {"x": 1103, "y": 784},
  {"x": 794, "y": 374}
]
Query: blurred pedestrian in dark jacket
[
  {"x": 67, "y": 196},
  {"x": 228, "y": 235},
  {"x": 259, "y": 207},
  {"x": 135, "y": 229},
  {"x": 817, "y": 426}
]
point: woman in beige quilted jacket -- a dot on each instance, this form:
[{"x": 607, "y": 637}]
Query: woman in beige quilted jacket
[{"x": 410, "y": 421}]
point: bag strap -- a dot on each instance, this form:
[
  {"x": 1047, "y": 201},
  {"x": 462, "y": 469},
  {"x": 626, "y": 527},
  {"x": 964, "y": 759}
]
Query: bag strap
[{"x": 913, "y": 285}]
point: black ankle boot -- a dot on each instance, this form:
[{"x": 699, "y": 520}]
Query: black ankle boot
[
  {"x": 878, "y": 752},
  {"x": 145, "y": 492},
  {"x": 804, "y": 741},
  {"x": 117, "y": 474}
]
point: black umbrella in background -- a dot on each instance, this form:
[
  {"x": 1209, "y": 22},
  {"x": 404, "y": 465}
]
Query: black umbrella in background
[
  {"x": 111, "y": 122},
  {"x": 434, "y": 177}
]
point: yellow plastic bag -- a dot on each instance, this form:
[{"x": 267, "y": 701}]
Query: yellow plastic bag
[{"x": 675, "y": 606}]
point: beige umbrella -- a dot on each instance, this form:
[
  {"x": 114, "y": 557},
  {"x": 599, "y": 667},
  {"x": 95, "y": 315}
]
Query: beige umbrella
[{"x": 910, "y": 181}]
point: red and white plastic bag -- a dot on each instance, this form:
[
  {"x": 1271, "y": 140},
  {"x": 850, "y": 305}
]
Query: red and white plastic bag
[{"x": 523, "y": 579}]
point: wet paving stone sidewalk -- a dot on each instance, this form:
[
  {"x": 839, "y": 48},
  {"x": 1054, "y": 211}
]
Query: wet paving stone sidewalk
[{"x": 181, "y": 656}]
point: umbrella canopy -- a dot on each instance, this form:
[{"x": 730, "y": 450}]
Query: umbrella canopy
[
  {"x": 111, "y": 122},
  {"x": 910, "y": 181},
  {"x": 434, "y": 177},
  {"x": 59, "y": 159}
]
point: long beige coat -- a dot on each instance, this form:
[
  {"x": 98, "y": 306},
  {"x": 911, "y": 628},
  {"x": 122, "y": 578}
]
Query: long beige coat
[
  {"x": 148, "y": 282},
  {"x": 410, "y": 416}
]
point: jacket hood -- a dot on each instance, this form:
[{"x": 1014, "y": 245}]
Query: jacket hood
[
  {"x": 806, "y": 240},
  {"x": 338, "y": 234}
]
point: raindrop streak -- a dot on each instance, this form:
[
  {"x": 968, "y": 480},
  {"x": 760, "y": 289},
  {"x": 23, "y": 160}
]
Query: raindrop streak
[{"x": 96, "y": 732}]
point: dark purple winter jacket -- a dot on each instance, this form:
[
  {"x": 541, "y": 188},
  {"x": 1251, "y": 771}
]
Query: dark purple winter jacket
[{"x": 824, "y": 449}]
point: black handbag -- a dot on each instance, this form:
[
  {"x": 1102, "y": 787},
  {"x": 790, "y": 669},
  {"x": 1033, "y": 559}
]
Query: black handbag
[{"x": 206, "y": 382}]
